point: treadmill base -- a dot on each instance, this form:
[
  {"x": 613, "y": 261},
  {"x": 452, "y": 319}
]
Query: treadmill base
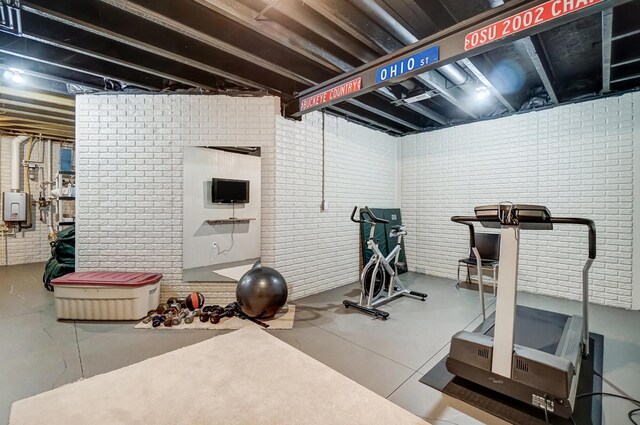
[{"x": 588, "y": 411}]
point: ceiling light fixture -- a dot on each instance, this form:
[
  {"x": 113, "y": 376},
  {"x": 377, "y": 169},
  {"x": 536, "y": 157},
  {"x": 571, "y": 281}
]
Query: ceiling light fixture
[
  {"x": 482, "y": 93},
  {"x": 416, "y": 96},
  {"x": 14, "y": 75}
]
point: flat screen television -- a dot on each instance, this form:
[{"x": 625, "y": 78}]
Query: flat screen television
[{"x": 226, "y": 191}]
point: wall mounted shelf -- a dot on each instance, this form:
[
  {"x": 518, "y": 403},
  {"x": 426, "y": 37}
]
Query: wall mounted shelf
[{"x": 229, "y": 220}]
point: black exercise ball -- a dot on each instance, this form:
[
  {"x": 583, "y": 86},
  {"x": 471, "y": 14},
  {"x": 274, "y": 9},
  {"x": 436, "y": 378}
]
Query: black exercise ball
[{"x": 261, "y": 292}]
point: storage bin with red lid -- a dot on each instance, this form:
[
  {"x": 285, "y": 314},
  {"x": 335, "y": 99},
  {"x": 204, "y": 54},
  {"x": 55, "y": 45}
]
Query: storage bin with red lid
[{"x": 106, "y": 295}]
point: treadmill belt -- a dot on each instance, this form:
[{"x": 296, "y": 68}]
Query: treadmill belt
[
  {"x": 588, "y": 410},
  {"x": 539, "y": 329}
]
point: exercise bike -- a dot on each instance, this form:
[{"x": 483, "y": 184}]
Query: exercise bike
[{"x": 379, "y": 282}]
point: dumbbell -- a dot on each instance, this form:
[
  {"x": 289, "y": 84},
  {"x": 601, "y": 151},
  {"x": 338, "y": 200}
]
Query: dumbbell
[
  {"x": 219, "y": 314},
  {"x": 149, "y": 317},
  {"x": 204, "y": 317},
  {"x": 158, "y": 320},
  {"x": 191, "y": 316},
  {"x": 170, "y": 314},
  {"x": 178, "y": 319}
]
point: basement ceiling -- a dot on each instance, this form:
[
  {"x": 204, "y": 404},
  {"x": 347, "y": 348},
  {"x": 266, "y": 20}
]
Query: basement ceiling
[
  {"x": 283, "y": 47},
  {"x": 36, "y": 112}
]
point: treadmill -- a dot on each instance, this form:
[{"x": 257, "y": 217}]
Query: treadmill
[{"x": 525, "y": 353}]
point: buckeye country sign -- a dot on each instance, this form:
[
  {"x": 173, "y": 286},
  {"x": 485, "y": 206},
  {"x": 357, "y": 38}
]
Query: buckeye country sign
[
  {"x": 331, "y": 94},
  {"x": 420, "y": 59},
  {"x": 523, "y": 20}
]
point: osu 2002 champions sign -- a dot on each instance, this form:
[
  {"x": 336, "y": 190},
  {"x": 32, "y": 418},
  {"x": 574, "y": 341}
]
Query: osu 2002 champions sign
[{"x": 524, "y": 20}]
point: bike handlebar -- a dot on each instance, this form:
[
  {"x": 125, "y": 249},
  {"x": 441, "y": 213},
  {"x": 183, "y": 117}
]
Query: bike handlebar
[
  {"x": 366, "y": 211},
  {"x": 353, "y": 214}
]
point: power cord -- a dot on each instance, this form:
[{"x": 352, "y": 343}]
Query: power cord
[
  {"x": 630, "y": 414},
  {"x": 546, "y": 413},
  {"x": 633, "y": 400},
  {"x": 233, "y": 229},
  {"x": 226, "y": 251}
]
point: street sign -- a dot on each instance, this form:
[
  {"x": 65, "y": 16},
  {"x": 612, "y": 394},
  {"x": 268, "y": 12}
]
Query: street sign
[
  {"x": 419, "y": 60},
  {"x": 331, "y": 94},
  {"x": 523, "y": 20}
]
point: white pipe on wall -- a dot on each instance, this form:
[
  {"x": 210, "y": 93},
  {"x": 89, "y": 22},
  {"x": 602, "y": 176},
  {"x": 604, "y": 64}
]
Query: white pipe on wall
[
  {"x": 50, "y": 184},
  {"x": 15, "y": 162}
]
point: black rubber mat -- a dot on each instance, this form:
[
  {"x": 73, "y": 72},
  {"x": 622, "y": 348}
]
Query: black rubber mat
[{"x": 588, "y": 410}]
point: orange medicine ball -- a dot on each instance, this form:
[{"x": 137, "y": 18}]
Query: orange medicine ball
[{"x": 194, "y": 300}]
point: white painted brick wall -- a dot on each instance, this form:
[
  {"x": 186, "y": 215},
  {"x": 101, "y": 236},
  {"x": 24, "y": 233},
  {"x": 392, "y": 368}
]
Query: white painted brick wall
[
  {"x": 30, "y": 245},
  {"x": 318, "y": 250},
  {"x": 575, "y": 159},
  {"x": 129, "y": 176}
]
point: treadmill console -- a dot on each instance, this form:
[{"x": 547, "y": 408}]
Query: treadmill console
[{"x": 527, "y": 217}]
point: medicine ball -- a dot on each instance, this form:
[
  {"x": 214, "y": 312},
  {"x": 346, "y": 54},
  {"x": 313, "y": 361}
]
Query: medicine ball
[
  {"x": 194, "y": 300},
  {"x": 261, "y": 292}
]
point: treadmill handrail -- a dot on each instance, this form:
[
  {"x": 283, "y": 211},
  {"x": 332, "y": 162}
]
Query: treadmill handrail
[
  {"x": 585, "y": 273},
  {"x": 585, "y": 222},
  {"x": 468, "y": 222}
]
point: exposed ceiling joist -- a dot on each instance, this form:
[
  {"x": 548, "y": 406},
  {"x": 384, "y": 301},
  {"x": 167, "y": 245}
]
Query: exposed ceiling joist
[
  {"x": 200, "y": 36},
  {"x": 30, "y": 121},
  {"x": 346, "y": 111},
  {"x": 36, "y": 127},
  {"x": 21, "y": 105},
  {"x": 607, "y": 31},
  {"x": 625, "y": 62},
  {"x": 625, "y": 35},
  {"x": 535, "y": 51},
  {"x": 60, "y": 58},
  {"x": 244, "y": 15},
  {"x": 386, "y": 115},
  {"x": 35, "y": 96},
  {"x": 626, "y": 78},
  {"x": 96, "y": 28},
  {"x": 113, "y": 59},
  {"x": 15, "y": 111},
  {"x": 52, "y": 79}
]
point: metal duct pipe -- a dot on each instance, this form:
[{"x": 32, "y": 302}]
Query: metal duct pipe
[
  {"x": 454, "y": 74},
  {"x": 378, "y": 13},
  {"x": 15, "y": 162}
]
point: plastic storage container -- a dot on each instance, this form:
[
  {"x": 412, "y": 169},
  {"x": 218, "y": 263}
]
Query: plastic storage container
[{"x": 106, "y": 295}]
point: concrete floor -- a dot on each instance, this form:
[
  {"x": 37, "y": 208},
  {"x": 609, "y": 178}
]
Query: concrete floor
[{"x": 40, "y": 353}]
